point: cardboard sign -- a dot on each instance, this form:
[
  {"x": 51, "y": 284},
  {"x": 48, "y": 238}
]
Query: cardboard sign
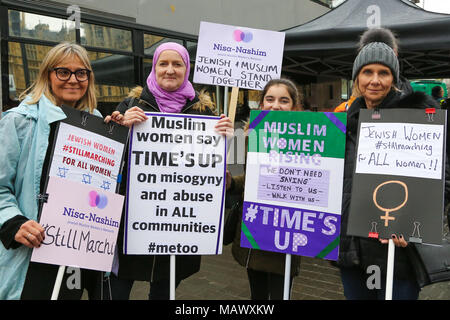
[
  {"x": 81, "y": 225},
  {"x": 237, "y": 56},
  {"x": 88, "y": 151},
  {"x": 398, "y": 184},
  {"x": 81, "y": 215},
  {"x": 293, "y": 189},
  {"x": 175, "y": 186}
]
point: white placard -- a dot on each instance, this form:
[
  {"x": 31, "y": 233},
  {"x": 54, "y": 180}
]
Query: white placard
[
  {"x": 90, "y": 159},
  {"x": 81, "y": 225},
  {"x": 175, "y": 186},
  {"x": 237, "y": 56},
  {"x": 401, "y": 149}
]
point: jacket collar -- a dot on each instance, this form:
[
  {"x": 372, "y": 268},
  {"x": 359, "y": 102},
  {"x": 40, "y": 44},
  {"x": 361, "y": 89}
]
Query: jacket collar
[
  {"x": 360, "y": 103},
  {"x": 44, "y": 109}
]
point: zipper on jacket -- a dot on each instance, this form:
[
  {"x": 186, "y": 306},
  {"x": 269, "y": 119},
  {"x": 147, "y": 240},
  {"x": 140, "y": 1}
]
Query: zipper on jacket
[
  {"x": 148, "y": 104},
  {"x": 153, "y": 268},
  {"x": 248, "y": 258},
  {"x": 190, "y": 106}
]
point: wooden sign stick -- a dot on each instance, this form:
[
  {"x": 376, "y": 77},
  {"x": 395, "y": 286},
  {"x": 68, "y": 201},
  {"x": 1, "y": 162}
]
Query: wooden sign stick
[
  {"x": 231, "y": 115},
  {"x": 233, "y": 103}
]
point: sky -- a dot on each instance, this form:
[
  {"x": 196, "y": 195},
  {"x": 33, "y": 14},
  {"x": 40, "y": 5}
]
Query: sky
[{"x": 442, "y": 6}]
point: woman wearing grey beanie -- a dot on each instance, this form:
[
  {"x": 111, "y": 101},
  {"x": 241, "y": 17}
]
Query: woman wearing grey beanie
[{"x": 375, "y": 75}]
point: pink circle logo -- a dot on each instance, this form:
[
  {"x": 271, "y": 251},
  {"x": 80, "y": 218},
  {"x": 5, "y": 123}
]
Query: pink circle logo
[
  {"x": 97, "y": 200},
  {"x": 239, "y": 35}
]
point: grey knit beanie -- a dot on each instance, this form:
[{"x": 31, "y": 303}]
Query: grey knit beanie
[{"x": 376, "y": 52}]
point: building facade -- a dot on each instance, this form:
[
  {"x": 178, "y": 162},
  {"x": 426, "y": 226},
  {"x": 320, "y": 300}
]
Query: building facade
[{"x": 121, "y": 36}]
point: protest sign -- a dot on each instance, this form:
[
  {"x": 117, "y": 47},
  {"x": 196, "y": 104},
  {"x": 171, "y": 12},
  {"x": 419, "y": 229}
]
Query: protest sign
[
  {"x": 398, "y": 184},
  {"x": 175, "y": 187},
  {"x": 84, "y": 167},
  {"x": 81, "y": 225},
  {"x": 87, "y": 150},
  {"x": 293, "y": 189},
  {"x": 237, "y": 56}
]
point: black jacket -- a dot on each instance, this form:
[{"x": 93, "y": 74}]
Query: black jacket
[
  {"x": 404, "y": 86},
  {"x": 363, "y": 252},
  {"x": 148, "y": 267}
]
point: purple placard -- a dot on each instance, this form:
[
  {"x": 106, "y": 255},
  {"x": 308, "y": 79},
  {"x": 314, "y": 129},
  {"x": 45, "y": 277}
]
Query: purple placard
[
  {"x": 290, "y": 230},
  {"x": 294, "y": 185}
]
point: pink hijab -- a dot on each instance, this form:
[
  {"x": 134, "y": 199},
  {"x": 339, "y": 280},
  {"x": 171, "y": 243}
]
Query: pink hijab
[{"x": 171, "y": 101}]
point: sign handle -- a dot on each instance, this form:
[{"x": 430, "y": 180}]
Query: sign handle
[
  {"x": 287, "y": 277},
  {"x": 390, "y": 270},
  {"x": 225, "y": 100},
  {"x": 172, "y": 277},
  {"x": 231, "y": 115},
  {"x": 57, "y": 286},
  {"x": 233, "y": 103}
]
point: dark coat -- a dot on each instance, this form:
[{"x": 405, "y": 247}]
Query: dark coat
[
  {"x": 259, "y": 260},
  {"x": 149, "y": 267},
  {"x": 363, "y": 252},
  {"x": 404, "y": 86}
]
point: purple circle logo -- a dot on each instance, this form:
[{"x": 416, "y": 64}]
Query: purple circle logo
[
  {"x": 97, "y": 200},
  {"x": 239, "y": 35}
]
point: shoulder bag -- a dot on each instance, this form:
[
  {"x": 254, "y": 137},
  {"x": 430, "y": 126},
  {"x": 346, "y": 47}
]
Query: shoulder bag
[{"x": 431, "y": 264}]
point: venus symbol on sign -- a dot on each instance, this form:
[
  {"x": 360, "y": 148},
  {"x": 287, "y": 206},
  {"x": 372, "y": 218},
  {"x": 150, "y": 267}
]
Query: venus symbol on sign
[{"x": 387, "y": 217}]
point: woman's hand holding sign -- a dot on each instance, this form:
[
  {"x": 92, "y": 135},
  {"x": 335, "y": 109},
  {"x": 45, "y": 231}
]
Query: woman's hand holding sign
[
  {"x": 30, "y": 234},
  {"x": 224, "y": 126},
  {"x": 132, "y": 116},
  {"x": 398, "y": 241}
]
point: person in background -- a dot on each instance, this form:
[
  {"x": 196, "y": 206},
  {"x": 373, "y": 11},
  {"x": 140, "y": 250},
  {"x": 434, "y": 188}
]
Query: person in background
[
  {"x": 375, "y": 75},
  {"x": 167, "y": 90},
  {"x": 438, "y": 94},
  {"x": 343, "y": 107},
  {"x": 65, "y": 78},
  {"x": 265, "y": 269}
]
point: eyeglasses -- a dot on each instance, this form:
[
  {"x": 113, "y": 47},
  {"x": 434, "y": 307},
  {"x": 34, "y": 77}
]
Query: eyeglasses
[{"x": 65, "y": 74}]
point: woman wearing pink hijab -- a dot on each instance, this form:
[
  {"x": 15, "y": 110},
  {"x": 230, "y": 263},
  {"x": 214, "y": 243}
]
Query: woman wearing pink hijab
[{"x": 167, "y": 90}]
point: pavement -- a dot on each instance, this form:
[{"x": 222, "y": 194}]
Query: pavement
[{"x": 222, "y": 278}]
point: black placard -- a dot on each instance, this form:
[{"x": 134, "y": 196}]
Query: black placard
[{"x": 385, "y": 203}]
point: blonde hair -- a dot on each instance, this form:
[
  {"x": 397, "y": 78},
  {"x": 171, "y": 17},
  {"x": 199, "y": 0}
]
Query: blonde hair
[{"x": 57, "y": 54}]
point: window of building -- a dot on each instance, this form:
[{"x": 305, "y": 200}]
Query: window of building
[
  {"x": 147, "y": 63},
  {"x": 24, "y": 61},
  {"x": 151, "y": 42},
  {"x": 121, "y": 56},
  {"x": 105, "y": 37},
  {"x": 114, "y": 75},
  {"x": 34, "y": 26}
]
